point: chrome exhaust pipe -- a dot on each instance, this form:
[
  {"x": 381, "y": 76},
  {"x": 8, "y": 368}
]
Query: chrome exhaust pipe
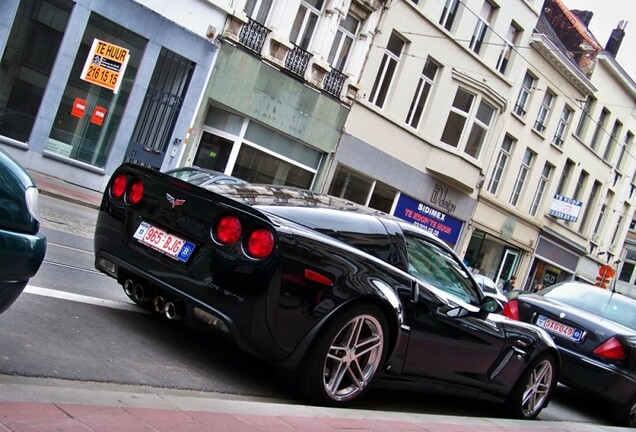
[
  {"x": 129, "y": 287},
  {"x": 173, "y": 310},
  {"x": 160, "y": 304},
  {"x": 138, "y": 292}
]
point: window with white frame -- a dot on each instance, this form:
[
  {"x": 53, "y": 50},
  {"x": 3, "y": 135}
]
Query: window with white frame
[
  {"x": 342, "y": 43},
  {"x": 565, "y": 177},
  {"x": 305, "y": 22},
  {"x": 524, "y": 94},
  {"x": 524, "y": 169},
  {"x": 468, "y": 123},
  {"x": 422, "y": 91},
  {"x": 600, "y": 128},
  {"x": 544, "y": 111},
  {"x": 387, "y": 70},
  {"x": 590, "y": 205},
  {"x": 361, "y": 189},
  {"x": 448, "y": 14},
  {"x": 618, "y": 227},
  {"x": 580, "y": 185},
  {"x": 541, "y": 187},
  {"x": 507, "y": 49},
  {"x": 600, "y": 220},
  {"x": 258, "y": 10},
  {"x": 611, "y": 143},
  {"x": 501, "y": 164},
  {"x": 625, "y": 148},
  {"x": 586, "y": 113},
  {"x": 562, "y": 126},
  {"x": 483, "y": 21}
]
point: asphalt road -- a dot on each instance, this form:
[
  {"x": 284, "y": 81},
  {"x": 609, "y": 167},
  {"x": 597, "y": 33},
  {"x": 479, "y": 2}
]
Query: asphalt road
[{"x": 75, "y": 323}]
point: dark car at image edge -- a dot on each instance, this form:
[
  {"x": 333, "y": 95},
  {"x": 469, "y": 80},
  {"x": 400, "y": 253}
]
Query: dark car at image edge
[
  {"x": 336, "y": 295},
  {"x": 595, "y": 331},
  {"x": 22, "y": 247}
]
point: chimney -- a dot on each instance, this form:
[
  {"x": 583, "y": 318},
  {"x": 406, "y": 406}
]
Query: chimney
[
  {"x": 616, "y": 38},
  {"x": 584, "y": 16}
]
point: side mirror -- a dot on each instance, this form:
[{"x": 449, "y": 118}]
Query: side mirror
[{"x": 491, "y": 305}]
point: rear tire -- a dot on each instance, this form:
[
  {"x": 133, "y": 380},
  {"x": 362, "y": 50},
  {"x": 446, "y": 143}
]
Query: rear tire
[
  {"x": 534, "y": 388},
  {"x": 625, "y": 415},
  {"x": 340, "y": 365}
]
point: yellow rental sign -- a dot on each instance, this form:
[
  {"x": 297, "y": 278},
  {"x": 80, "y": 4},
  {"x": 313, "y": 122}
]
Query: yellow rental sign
[{"x": 105, "y": 65}]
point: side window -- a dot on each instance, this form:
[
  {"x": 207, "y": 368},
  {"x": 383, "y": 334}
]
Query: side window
[{"x": 436, "y": 266}]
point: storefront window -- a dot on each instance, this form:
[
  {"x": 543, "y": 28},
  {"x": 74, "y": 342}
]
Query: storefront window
[
  {"x": 491, "y": 257},
  {"x": 27, "y": 61},
  {"x": 238, "y": 146},
  {"x": 361, "y": 189},
  {"x": 88, "y": 116},
  {"x": 546, "y": 274}
]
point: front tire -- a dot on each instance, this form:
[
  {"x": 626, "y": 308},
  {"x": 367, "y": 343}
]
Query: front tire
[
  {"x": 534, "y": 388},
  {"x": 340, "y": 365}
]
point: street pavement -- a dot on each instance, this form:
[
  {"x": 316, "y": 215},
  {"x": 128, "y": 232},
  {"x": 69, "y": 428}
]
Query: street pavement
[{"x": 45, "y": 404}]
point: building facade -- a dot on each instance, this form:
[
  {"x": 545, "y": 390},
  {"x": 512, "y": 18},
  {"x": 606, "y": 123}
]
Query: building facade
[
  {"x": 86, "y": 85},
  {"x": 502, "y": 127}
]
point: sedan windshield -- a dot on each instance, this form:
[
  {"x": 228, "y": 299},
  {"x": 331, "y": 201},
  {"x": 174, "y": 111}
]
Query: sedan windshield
[{"x": 598, "y": 301}]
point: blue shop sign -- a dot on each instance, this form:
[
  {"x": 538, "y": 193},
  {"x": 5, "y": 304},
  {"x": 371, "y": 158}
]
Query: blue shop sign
[{"x": 438, "y": 223}]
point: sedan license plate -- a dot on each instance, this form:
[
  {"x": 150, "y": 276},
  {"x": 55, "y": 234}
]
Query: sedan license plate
[
  {"x": 169, "y": 244},
  {"x": 560, "y": 329}
]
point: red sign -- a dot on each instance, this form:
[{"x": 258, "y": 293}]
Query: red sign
[
  {"x": 601, "y": 282},
  {"x": 79, "y": 106},
  {"x": 98, "y": 115},
  {"x": 606, "y": 272}
]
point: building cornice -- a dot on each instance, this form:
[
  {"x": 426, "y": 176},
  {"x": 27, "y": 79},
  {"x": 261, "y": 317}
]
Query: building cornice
[
  {"x": 617, "y": 71},
  {"x": 544, "y": 46}
]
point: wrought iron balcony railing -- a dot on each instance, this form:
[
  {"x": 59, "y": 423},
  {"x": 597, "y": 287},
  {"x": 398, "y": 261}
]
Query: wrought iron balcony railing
[
  {"x": 297, "y": 60},
  {"x": 253, "y": 36},
  {"x": 333, "y": 82}
]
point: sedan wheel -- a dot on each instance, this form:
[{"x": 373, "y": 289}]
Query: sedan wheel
[
  {"x": 344, "y": 359},
  {"x": 533, "y": 390},
  {"x": 625, "y": 415}
]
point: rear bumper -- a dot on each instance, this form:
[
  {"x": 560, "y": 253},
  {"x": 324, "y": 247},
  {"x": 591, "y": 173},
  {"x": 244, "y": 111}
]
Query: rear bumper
[
  {"x": 611, "y": 384},
  {"x": 21, "y": 256}
]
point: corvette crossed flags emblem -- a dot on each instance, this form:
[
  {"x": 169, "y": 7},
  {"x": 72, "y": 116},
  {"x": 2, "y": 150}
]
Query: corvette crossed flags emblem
[{"x": 174, "y": 201}]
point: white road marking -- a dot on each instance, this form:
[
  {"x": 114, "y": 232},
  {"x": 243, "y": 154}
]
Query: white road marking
[{"x": 47, "y": 292}]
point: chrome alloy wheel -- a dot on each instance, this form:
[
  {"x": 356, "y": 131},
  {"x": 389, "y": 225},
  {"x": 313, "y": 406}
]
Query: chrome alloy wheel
[
  {"x": 353, "y": 357},
  {"x": 538, "y": 388}
]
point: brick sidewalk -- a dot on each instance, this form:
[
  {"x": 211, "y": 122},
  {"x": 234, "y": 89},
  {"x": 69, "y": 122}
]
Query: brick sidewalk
[{"x": 64, "y": 417}]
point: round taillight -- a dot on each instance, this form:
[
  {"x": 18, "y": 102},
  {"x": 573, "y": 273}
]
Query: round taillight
[
  {"x": 228, "y": 230},
  {"x": 135, "y": 192},
  {"x": 260, "y": 244},
  {"x": 118, "y": 187}
]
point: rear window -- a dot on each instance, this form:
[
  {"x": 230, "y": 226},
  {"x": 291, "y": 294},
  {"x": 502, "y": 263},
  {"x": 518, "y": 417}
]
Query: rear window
[{"x": 598, "y": 301}]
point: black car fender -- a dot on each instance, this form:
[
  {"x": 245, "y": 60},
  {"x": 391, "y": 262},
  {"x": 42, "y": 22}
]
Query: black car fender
[{"x": 381, "y": 294}]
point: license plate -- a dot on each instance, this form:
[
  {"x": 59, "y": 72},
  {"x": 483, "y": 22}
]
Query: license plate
[
  {"x": 560, "y": 329},
  {"x": 169, "y": 244}
]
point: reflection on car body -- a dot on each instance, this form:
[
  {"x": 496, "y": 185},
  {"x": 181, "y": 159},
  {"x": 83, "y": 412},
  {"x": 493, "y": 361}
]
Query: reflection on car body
[
  {"x": 595, "y": 330},
  {"x": 22, "y": 248},
  {"x": 489, "y": 287},
  {"x": 203, "y": 177},
  {"x": 337, "y": 295}
]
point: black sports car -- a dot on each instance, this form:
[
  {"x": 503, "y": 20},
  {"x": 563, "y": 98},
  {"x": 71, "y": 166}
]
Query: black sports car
[
  {"x": 595, "y": 330},
  {"x": 333, "y": 293}
]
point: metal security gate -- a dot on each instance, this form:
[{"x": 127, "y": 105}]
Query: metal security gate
[{"x": 160, "y": 110}]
